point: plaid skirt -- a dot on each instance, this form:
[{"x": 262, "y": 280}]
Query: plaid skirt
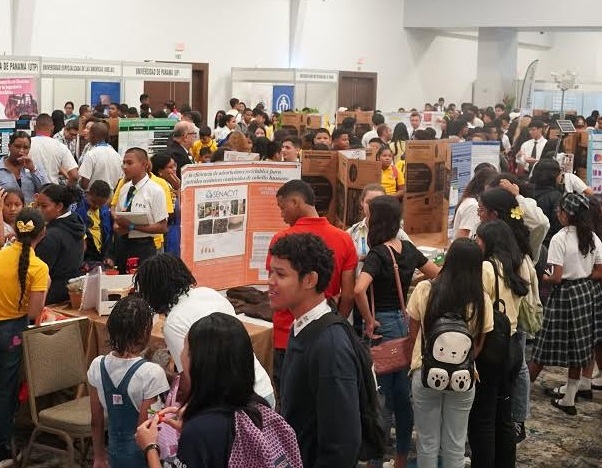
[{"x": 572, "y": 323}]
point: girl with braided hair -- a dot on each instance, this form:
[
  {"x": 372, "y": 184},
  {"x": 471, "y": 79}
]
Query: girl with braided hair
[{"x": 24, "y": 278}]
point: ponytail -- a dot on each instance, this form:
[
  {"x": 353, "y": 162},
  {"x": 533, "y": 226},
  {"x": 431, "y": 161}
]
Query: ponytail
[{"x": 29, "y": 225}]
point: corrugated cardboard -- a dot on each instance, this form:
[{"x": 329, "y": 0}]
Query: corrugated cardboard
[
  {"x": 313, "y": 121},
  {"x": 319, "y": 169},
  {"x": 364, "y": 117},
  {"x": 353, "y": 176},
  {"x": 292, "y": 119},
  {"x": 428, "y": 166}
]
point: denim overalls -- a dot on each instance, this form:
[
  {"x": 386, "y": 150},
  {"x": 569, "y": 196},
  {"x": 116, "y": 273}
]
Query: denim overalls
[{"x": 123, "y": 420}]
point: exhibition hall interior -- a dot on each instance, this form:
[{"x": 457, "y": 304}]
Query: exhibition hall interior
[{"x": 300, "y": 233}]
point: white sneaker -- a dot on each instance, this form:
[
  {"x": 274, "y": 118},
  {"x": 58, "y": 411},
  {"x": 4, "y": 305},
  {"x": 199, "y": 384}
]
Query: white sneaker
[{"x": 389, "y": 464}]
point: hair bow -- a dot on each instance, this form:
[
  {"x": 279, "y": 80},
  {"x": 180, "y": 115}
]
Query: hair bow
[{"x": 25, "y": 227}]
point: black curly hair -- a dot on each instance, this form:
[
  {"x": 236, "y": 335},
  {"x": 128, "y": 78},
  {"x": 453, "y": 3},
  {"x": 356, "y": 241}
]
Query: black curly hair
[
  {"x": 26, "y": 216},
  {"x": 306, "y": 253},
  {"x": 161, "y": 280},
  {"x": 130, "y": 325}
]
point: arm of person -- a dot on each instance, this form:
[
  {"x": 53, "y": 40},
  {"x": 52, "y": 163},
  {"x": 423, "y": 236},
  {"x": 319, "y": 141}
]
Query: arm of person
[
  {"x": 462, "y": 233},
  {"x": 36, "y": 304},
  {"x": 85, "y": 172},
  {"x": 84, "y": 183},
  {"x": 537, "y": 223},
  {"x": 415, "y": 326},
  {"x": 155, "y": 228},
  {"x": 362, "y": 283},
  {"x": 399, "y": 194},
  {"x": 98, "y": 429},
  {"x": 337, "y": 402},
  {"x": 73, "y": 176},
  {"x": 430, "y": 270},
  {"x": 555, "y": 277},
  {"x": 347, "y": 292},
  {"x": 597, "y": 272},
  {"x": 144, "y": 407},
  {"x": 147, "y": 434}
]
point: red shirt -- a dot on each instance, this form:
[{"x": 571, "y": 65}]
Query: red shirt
[{"x": 345, "y": 259}]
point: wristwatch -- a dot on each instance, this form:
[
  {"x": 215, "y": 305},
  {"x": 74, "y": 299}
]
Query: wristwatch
[{"x": 150, "y": 447}]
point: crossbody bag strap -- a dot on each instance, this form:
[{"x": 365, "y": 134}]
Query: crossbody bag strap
[
  {"x": 498, "y": 301},
  {"x": 402, "y": 302}
]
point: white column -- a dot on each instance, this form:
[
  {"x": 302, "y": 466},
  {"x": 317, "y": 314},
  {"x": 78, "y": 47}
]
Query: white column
[
  {"x": 297, "y": 15},
  {"x": 496, "y": 65},
  {"x": 22, "y": 14}
]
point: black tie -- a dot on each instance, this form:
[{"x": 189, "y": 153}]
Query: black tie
[
  {"x": 534, "y": 151},
  {"x": 129, "y": 198}
]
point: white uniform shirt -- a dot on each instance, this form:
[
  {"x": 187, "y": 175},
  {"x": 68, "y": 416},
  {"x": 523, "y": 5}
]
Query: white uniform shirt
[
  {"x": 564, "y": 252},
  {"x": 467, "y": 217},
  {"x": 199, "y": 303},
  {"x": 102, "y": 162},
  {"x": 148, "y": 198},
  {"x": 52, "y": 155},
  {"x": 527, "y": 149},
  {"x": 573, "y": 183}
]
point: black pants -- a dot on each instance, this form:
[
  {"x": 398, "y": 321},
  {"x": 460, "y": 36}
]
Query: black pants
[
  {"x": 125, "y": 248},
  {"x": 277, "y": 374},
  {"x": 491, "y": 431}
]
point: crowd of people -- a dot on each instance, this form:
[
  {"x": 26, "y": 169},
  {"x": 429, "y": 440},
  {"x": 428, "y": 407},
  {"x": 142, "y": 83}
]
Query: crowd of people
[{"x": 526, "y": 235}]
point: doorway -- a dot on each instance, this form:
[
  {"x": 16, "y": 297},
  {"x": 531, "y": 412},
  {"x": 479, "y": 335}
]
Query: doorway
[{"x": 357, "y": 88}]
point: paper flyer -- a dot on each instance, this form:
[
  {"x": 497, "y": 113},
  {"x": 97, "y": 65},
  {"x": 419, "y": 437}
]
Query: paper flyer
[{"x": 229, "y": 216}]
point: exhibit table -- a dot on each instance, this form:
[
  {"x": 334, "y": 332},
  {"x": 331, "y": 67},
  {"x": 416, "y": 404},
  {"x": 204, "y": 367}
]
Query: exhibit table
[{"x": 96, "y": 341}]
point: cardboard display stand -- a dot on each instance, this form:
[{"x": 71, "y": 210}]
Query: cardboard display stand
[
  {"x": 229, "y": 216},
  {"x": 428, "y": 167},
  {"x": 101, "y": 292},
  {"x": 352, "y": 176},
  {"x": 319, "y": 169}
]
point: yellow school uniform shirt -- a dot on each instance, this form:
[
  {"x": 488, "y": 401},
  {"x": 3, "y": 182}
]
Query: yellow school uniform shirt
[
  {"x": 158, "y": 239},
  {"x": 390, "y": 181},
  {"x": 94, "y": 227},
  {"x": 196, "y": 148},
  {"x": 398, "y": 148},
  {"x": 417, "y": 310},
  {"x": 36, "y": 281}
]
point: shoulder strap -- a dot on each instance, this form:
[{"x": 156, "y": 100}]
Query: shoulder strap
[
  {"x": 314, "y": 329},
  {"x": 402, "y": 301},
  {"x": 497, "y": 301},
  {"x": 125, "y": 382},
  {"x": 107, "y": 383}
]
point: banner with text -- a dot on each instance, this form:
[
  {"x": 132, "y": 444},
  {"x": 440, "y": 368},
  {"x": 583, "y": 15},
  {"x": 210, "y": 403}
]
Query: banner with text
[
  {"x": 229, "y": 216},
  {"x": 18, "y": 96}
]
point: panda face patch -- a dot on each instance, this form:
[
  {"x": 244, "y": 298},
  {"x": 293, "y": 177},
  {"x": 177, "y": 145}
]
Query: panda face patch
[{"x": 451, "y": 347}]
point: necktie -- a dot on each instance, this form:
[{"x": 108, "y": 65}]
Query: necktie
[
  {"x": 534, "y": 150},
  {"x": 129, "y": 198}
]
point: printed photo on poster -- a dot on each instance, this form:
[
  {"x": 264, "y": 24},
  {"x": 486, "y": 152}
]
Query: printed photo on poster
[
  {"x": 221, "y": 222},
  {"x": 18, "y": 96},
  {"x": 104, "y": 92}
]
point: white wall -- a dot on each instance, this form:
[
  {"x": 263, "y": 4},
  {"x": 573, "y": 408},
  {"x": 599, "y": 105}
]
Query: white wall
[{"x": 236, "y": 33}]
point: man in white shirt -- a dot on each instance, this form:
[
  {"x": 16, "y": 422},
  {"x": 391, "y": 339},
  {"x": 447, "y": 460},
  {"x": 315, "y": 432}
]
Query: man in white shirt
[
  {"x": 377, "y": 119},
  {"x": 234, "y": 109},
  {"x": 531, "y": 150},
  {"x": 53, "y": 156},
  {"x": 102, "y": 162},
  {"x": 139, "y": 195},
  {"x": 415, "y": 120}
]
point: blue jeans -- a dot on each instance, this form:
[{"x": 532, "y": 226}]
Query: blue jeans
[
  {"x": 11, "y": 356},
  {"x": 396, "y": 385},
  {"x": 522, "y": 384}
]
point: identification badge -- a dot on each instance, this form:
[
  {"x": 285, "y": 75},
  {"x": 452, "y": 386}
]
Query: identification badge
[{"x": 117, "y": 399}]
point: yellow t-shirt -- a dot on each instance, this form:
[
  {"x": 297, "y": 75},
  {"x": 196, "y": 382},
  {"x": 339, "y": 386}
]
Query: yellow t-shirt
[
  {"x": 417, "y": 310},
  {"x": 35, "y": 281},
  {"x": 170, "y": 204},
  {"x": 94, "y": 227},
  {"x": 399, "y": 149},
  {"x": 391, "y": 181},
  {"x": 196, "y": 148}
]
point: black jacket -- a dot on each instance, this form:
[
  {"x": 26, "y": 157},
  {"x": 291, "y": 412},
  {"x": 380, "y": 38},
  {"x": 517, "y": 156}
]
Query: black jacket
[
  {"x": 62, "y": 249},
  {"x": 179, "y": 155},
  {"x": 547, "y": 199}
]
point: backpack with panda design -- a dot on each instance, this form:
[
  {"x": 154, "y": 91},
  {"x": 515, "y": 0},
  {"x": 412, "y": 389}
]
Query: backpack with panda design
[{"x": 447, "y": 354}]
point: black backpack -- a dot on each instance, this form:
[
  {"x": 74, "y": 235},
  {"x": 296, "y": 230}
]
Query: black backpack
[
  {"x": 374, "y": 437},
  {"x": 496, "y": 348},
  {"x": 448, "y": 355}
]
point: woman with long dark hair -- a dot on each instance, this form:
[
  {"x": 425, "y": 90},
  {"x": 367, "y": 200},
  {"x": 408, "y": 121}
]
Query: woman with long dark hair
[
  {"x": 24, "y": 279},
  {"x": 217, "y": 358},
  {"x": 442, "y": 416},
  {"x": 398, "y": 141},
  {"x": 466, "y": 217},
  {"x": 378, "y": 273},
  {"x": 544, "y": 178}
]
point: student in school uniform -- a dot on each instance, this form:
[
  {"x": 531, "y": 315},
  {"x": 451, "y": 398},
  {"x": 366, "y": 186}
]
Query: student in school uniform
[{"x": 139, "y": 195}]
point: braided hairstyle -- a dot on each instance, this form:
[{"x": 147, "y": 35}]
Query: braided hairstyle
[{"x": 29, "y": 225}]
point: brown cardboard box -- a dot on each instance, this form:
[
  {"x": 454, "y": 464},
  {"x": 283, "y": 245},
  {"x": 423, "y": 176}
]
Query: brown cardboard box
[
  {"x": 343, "y": 115},
  {"x": 582, "y": 138},
  {"x": 313, "y": 121},
  {"x": 291, "y": 118},
  {"x": 428, "y": 165},
  {"x": 364, "y": 117},
  {"x": 319, "y": 169},
  {"x": 353, "y": 176}
]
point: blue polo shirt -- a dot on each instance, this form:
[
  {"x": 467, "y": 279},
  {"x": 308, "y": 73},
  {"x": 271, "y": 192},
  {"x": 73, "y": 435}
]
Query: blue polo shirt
[{"x": 31, "y": 182}]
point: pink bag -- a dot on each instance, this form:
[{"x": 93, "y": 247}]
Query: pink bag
[
  {"x": 168, "y": 437},
  {"x": 273, "y": 446}
]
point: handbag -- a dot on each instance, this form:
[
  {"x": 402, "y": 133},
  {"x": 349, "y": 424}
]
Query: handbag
[
  {"x": 393, "y": 355},
  {"x": 530, "y": 311}
]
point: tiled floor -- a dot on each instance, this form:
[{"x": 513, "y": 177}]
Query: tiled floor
[{"x": 554, "y": 440}]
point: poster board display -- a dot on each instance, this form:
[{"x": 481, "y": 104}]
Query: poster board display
[
  {"x": 229, "y": 216},
  {"x": 352, "y": 176},
  {"x": 7, "y": 128},
  {"x": 149, "y": 134},
  {"x": 18, "y": 96},
  {"x": 319, "y": 169},
  {"x": 594, "y": 160},
  {"x": 428, "y": 167}
]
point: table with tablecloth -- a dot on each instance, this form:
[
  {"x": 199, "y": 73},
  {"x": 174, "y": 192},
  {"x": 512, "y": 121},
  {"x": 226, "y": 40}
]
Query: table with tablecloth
[{"x": 96, "y": 341}]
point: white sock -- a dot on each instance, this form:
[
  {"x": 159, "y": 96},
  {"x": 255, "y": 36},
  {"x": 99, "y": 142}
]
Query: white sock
[
  {"x": 585, "y": 383},
  {"x": 597, "y": 381},
  {"x": 571, "y": 390}
]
